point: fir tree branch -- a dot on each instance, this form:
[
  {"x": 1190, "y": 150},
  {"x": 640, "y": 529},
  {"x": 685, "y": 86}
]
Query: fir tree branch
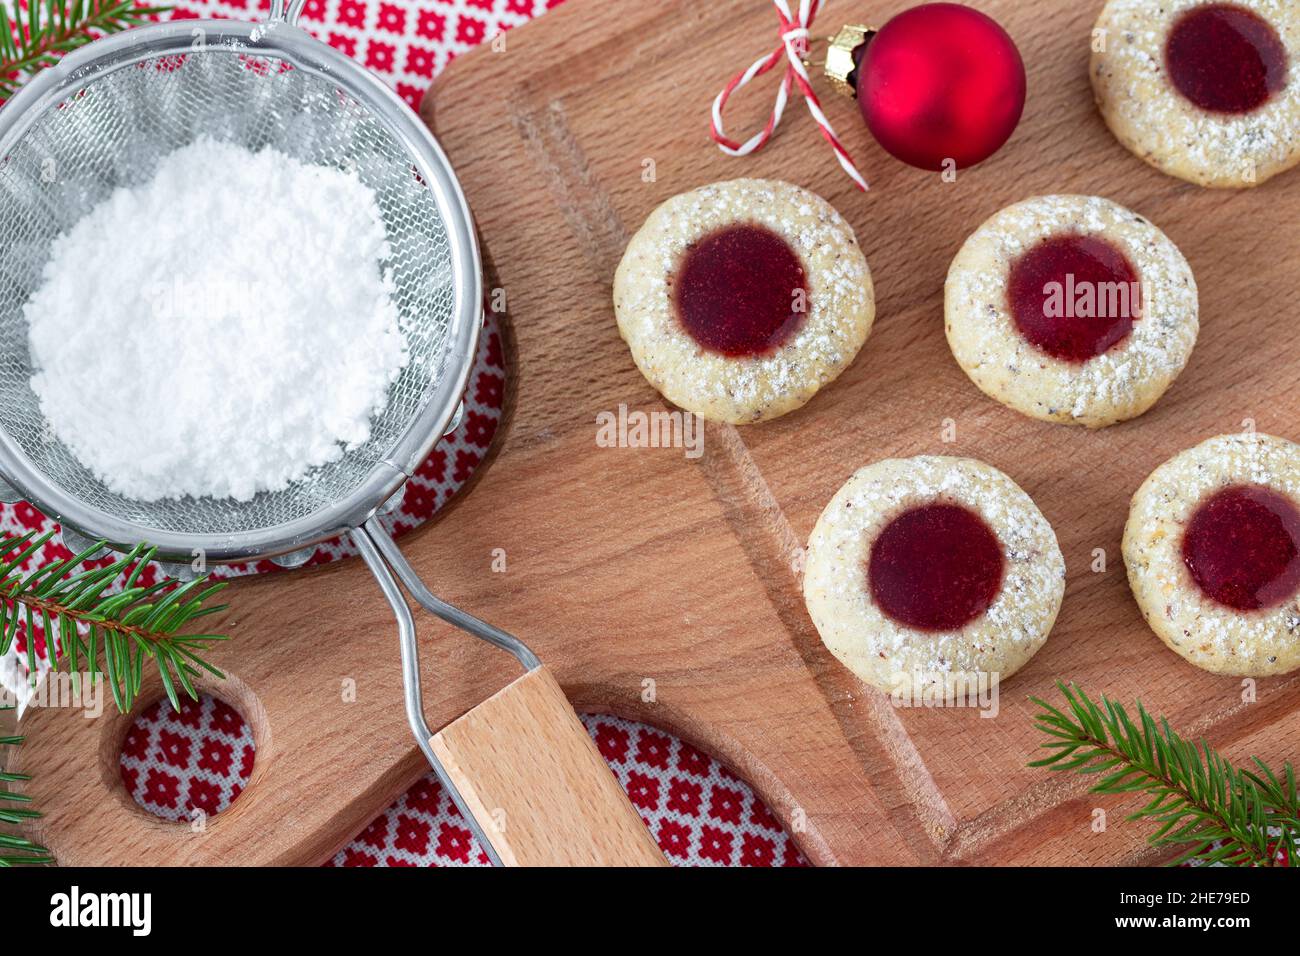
[
  {"x": 16, "y": 850},
  {"x": 1203, "y": 805},
  {"x": 37, "y": 36},
  {"x": 120, "y": 629}
]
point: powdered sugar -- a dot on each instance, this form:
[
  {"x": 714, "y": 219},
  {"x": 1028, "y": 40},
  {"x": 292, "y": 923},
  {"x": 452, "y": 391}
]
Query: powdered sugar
[{"x": 219, "y": 330}]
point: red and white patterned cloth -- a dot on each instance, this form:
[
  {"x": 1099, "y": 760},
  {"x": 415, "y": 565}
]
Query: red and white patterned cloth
[
  {"x": 200, "y": 758},
  {"x": 406, "y": 42},
  {"x": 700, "y": 813},
  {"x": 190, "y": 765}
]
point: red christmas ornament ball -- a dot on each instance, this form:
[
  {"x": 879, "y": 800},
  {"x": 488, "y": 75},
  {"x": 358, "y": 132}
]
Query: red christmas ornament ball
[{"x": 941, "y": 82}]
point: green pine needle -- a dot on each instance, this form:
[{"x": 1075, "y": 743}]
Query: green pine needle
[
  {"x": 1204, "y": 806},
  {"x": 39, "y": 35},
  {"x": 122, "y": 629},
  {"x": 16, "y": 850},
  {"x": 108, "y": 635}
]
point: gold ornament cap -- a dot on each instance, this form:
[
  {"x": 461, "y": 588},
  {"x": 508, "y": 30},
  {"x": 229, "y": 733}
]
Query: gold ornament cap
[{"x": 841, "y": 63}]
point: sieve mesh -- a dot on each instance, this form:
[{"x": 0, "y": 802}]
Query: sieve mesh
[{"x": 113, "y": 132}]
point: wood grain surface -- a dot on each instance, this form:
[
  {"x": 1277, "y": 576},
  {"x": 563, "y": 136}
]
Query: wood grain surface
[
  {"x": 666, "y": 589},
  {"x": 529, "y": 772}
]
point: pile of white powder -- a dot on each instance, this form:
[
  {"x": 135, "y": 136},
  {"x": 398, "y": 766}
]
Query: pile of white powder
[{"x": 220, "y": 330}]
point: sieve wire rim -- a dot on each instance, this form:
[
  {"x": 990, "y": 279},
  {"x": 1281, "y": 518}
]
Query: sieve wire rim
[{"x": 286, "y": 42}]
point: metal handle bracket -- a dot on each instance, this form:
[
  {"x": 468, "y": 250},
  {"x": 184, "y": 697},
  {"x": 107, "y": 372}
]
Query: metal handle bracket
[{"x": 390, "y": 566}]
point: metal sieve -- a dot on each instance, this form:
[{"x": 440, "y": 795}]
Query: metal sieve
[{"x": 104, "y": 117}]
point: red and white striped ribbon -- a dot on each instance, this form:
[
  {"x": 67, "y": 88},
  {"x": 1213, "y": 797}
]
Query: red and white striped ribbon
[{"x": 794, "y": 44}]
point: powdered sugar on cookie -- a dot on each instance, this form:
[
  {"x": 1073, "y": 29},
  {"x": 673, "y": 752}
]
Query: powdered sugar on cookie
[
  {"x": 1116, "y": 385},
  {"x": 1150, "y": 117},
  {"x": 840, "y": 301},
  {"x": 1209, "y": 635},
  {"x": 889, "y": 655}
]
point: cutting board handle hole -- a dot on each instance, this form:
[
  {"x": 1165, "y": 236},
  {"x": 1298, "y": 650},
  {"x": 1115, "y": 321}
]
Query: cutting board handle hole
[{"x": 189, "y": 768}]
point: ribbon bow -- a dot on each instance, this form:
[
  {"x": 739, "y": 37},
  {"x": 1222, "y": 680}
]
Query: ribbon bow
[{"x": 794, "y": 45}]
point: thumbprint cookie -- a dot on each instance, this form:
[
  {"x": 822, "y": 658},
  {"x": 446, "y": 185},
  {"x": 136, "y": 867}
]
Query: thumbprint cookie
[
  {"x": 922, "y": 571},
  {"x": 1208, "y": 92},
  {"x": 740, "y": 300},
  {"x": 1212, "y": 548},
  {"x": 1071, "y": 309}
]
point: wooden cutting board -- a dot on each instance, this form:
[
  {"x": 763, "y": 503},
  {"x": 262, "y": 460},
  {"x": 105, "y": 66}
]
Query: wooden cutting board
[{"x": 665, "y": 589}]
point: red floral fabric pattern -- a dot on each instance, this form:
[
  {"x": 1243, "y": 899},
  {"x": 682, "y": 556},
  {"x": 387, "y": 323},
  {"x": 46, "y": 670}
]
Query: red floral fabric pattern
[
  {"x": 191, "y": 765},
  {"x": 700, "y": 813},
  {"x": 407, "y": 42}
]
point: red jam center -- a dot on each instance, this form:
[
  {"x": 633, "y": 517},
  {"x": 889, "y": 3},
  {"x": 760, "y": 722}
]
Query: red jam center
[
  {"x": 1074, "y": 297},
  {"x": 1225, "y": 58},
  {"x": 1242, "y": 547},
  {"x": 741, "y": 291},
  {"x": 935, "y": 568}
]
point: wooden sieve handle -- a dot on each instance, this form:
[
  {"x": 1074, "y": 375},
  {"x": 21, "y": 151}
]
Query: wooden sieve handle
[{"x": 531, "y": 776}]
